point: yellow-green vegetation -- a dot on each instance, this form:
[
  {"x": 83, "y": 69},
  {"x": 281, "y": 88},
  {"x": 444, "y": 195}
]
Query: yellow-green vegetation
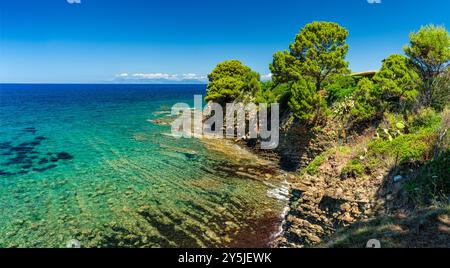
[
  {"x": 313, "y": 167},
  {"x": 400, "y": 143},
  {"x": 405, "y": 143},
  {"x": 354, "y": 168}
]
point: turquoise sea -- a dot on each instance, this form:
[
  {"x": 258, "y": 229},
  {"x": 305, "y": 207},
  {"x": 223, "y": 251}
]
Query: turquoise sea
[{"x": 83, "y": 162}]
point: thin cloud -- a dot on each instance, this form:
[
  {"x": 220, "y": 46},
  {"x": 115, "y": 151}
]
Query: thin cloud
[
  {"x": 266, "y": 77},
  {"x": 162, "y": 77},
  {"x": 172, "y": 77}
]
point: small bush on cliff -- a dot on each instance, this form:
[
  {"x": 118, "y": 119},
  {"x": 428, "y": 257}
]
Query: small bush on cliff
[
  {"x": 432, "y": 183},
  {"x": 313, "y": 167},
  {"x": 424, "y": 119},
  {"x": 414, "y": 146},
  {"x": 354, "y": 168},
  {"x": 411, "y": 142}
]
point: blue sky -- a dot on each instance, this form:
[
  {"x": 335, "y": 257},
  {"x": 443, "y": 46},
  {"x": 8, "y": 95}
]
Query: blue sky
[{"x": 96, "y": 40}]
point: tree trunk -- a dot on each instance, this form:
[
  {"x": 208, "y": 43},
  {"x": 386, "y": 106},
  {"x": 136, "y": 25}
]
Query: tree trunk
[{"x": 318, "y": 85}]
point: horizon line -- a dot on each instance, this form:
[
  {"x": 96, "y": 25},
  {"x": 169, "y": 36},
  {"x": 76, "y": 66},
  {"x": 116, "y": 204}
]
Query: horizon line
[{"x": 93, "y": 83}]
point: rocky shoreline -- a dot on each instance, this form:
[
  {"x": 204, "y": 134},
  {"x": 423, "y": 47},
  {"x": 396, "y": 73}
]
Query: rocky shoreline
[{"x": 316, "y": 206}]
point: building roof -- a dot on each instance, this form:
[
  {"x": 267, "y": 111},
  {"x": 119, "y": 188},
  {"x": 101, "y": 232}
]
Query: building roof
[{"x": 365, "y": 74}]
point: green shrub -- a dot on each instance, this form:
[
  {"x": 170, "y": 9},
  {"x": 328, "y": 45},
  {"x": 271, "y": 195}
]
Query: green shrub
[
  {"x": 416, "y": 145},
  {"x": 372, "y": 163},
  {"x": 393, "y": 126},
  {"x": 354, "y": 168},
  {"x": 283, "y": 93},
  {"x": 425, "y": 119},
  {"x": 313, "y": 167},
  {"x": 432, "y": 184},
  {"x": 265, "y": 93},
  {"x": 340, "y": 88},
  {"x": 343, "y": 108},
  {"x": 270, "y": 92},
  {"x": 411, "y": 147},
  {"x": 406, "y": 148}
]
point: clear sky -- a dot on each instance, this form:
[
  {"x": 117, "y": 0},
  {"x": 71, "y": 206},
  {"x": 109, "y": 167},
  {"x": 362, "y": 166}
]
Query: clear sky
[{"x": 96, "y": 40}]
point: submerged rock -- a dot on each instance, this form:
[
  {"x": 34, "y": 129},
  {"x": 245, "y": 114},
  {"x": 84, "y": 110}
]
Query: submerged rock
[{"x": 64, "y": 156}]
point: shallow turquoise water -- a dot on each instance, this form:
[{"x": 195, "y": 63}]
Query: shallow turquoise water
[{"x": 82, "y": 162}]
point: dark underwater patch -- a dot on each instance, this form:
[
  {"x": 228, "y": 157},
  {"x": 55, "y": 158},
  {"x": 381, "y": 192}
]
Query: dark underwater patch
[
  {"x": 22, "y": 149},
  {"x": 5, "y": 173},
  {"x": 44, "y": 168},
  {"x": 25, "y": 157},
  {"x": 64, "y": 156},
  {"x": 35, "y": 143},
  {"x": 5, "y": 145},
  {"x": 190, "y": 156},
  {"x": 19, "y": 159},
  {"x": 31, "y": 130},
  {"x": 27, "y": 166},
  {"x": 60, "y": 156},
  {"x": 43, "y": 161}
]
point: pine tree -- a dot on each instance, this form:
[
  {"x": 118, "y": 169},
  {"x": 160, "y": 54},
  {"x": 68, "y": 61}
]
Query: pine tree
[{"x": 305, "y": 102}]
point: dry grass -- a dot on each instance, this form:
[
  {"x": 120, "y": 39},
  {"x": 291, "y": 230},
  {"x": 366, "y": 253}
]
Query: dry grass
[{"x": 427, "y": 228}]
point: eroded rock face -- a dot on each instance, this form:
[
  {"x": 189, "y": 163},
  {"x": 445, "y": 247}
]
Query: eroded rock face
[
  {"x": 314, "y": 214},
  {"x": 318, "y": 204},
  {"x": 299, "y": 144},
  {"x": 321, "y": 204}
]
